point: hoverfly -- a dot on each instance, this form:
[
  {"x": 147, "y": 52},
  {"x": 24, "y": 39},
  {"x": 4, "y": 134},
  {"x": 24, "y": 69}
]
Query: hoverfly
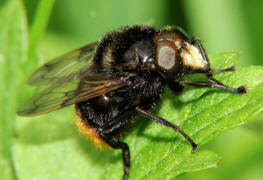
[{"x": 121, "y": 75}]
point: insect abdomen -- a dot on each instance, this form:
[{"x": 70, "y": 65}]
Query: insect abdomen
[{"x": 88, "y": 131}]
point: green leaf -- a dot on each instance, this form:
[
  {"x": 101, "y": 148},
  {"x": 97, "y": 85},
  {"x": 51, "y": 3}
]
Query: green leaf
[
  {"x": 49, "y": 147},
  {"x": 38, "y": 28},
  {"x": 13, "y": 50},
  {"x": 14, "y": 69},
  {"x": 5, "y": 168}
]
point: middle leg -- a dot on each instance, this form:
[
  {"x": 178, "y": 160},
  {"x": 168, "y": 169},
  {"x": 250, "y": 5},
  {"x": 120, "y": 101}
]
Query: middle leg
[{"x": 168, "y": 124}]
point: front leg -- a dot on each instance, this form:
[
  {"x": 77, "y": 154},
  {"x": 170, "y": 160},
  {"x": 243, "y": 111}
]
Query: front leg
[
  {"x": 215, "y": 84},
  {"x": 208, "y": 71},
  {"x": 168, "y": 124}
]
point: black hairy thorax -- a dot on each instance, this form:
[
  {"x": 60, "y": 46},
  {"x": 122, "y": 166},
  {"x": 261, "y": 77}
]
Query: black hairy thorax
[{"x": 123, "y": 55}]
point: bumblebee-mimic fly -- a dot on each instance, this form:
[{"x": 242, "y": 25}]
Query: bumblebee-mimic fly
[{"x": 121, "y": 75}]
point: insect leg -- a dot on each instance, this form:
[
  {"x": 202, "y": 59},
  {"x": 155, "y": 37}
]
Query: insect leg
[
  {"x": 215, "y": 84},
  {"x": 232, "y": 68},
  {"x": 168, "y": 124},
  {"x": 209, "y": 73},
  {"x": 115, "y": 144},
  {"x": 194, "y": 41}
]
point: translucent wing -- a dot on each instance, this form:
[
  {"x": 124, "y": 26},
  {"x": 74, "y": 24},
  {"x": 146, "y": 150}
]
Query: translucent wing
[
  {"x": 64, "y": 68},
  {"x": 59, "y": 96},
  {"x": 67, "y": 80}
]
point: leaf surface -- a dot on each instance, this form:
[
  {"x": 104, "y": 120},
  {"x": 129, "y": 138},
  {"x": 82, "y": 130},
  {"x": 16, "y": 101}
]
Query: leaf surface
[
  {"x": 48, "y": 146},
  {"x": 13, "y": 49}
]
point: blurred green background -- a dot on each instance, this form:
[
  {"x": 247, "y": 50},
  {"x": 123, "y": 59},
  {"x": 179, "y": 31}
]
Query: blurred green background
[{"x": 222, "y": 25}]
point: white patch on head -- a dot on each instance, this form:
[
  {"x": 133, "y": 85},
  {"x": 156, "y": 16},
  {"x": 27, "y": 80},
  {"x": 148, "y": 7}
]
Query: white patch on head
[
  {"x": 166, "y": 57},
  {"x": 178, "y": 42},
  {"x": 192, "y": 58}
]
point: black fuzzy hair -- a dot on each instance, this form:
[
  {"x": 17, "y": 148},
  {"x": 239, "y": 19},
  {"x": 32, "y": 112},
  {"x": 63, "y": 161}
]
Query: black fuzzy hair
[{"x": 120, "y": 41}]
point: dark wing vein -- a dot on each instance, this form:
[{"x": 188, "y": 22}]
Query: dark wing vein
[
  {"x": 67, "y": 80},
  {"x": 56, "y": 97},
  {"x": 64, "y": 68}
]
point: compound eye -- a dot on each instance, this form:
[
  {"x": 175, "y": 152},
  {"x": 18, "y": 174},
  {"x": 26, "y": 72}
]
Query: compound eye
[{"x": 166, "y": 56}]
